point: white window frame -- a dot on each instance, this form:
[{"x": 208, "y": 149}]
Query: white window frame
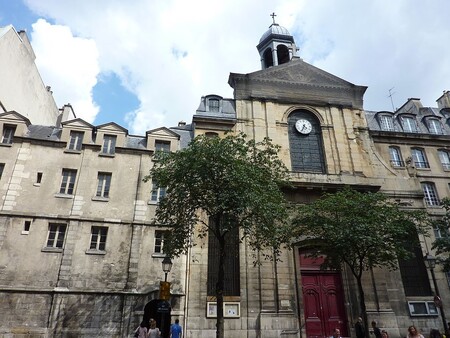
[
  {"x": 409, "y": 124},
  {"x": 109, "y": 144},
  {"x": 75, "y": 140},
  {"x": 431, "y": 196},
  {"x": 158, "y": 248},
  {"x": 68, "y": 180},
  {"x": 157, "y": 193},
  {"x": 386, "y": 122},
  {"x": 99, "y": 235},
  {"x": 8, "y": 134},
  {"x": 103, "y": 184},
  {"x": 444, "y": 157},
  {"x": 434, "y": 126},
  {"x": 56, "y": 235},
  {"x": 429, "y": 306},
  {"x": 420, "y": 158},
  {"x": 396, "y": 157}
]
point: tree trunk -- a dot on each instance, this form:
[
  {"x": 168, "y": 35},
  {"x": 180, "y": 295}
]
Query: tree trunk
[
  {"x": 219, "y": 289},
  {"x": 362, "y": 305}
]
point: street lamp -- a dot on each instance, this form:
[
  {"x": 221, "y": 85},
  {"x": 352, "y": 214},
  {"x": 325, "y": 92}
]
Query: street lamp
[
  {"x": 430, "y": 262},
  {"x": 166, "y": 266}
]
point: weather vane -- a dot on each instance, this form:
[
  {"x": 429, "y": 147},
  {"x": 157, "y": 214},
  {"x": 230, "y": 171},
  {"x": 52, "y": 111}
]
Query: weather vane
[{"x": 273, "y": 15}]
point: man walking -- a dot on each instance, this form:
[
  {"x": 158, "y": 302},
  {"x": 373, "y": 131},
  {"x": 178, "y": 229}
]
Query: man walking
[{"x": 175, "y": 330}]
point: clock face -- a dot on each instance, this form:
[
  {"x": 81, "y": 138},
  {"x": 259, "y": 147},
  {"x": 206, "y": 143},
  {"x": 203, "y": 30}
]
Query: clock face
[{"x": 303, "y": 126}]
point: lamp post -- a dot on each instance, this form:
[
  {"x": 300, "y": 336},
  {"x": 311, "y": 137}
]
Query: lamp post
[
  {"x": 430, "y": 262},
  {"x": 164, "y": 296},
  {"x": 166, "y": 266}
]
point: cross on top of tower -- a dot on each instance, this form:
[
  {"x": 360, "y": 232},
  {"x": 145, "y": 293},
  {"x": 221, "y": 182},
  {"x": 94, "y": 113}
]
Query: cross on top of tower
[{"x": 273, "y": 15}]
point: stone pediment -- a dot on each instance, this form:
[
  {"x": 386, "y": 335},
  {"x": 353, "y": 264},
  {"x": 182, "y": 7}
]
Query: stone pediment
[
  {"x": 77, "y": 123},
  {"x": 162, "y": 132},
  {"x": 112, "y": 127},
  {"x": 14, "y": 117},
  {"x": 300, "y": 72},
  {"x": 297, "y": 81}
]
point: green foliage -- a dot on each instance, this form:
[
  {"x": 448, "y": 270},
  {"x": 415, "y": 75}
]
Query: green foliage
[
  {"x": 362, "y": 230},
  {"x": 442, "y": 244},
  {"x": 236, "y": 182}
]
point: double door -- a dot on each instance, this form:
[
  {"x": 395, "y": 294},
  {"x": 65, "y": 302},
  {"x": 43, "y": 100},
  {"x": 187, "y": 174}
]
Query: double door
[{"x": 323, "y": 302}]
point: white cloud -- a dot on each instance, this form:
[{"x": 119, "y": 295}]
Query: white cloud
[
  {"x": 69, "y": 65},
  {"x": 170, "y": 53}
]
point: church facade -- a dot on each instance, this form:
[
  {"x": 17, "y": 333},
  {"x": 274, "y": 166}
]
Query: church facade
[{"x": 81, "y": 255}]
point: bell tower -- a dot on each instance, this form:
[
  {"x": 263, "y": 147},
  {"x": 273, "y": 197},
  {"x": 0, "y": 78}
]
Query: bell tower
[{"x": 276, "y": 46}]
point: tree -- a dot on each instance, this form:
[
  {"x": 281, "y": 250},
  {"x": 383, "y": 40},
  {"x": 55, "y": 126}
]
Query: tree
[
  {"x": 360, "y": 230},
  {"x": 217, "y": 185},
  {"x": 442, "y": 244}
]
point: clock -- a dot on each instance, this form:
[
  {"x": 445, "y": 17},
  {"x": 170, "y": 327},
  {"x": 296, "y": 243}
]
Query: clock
[{"x": 303, "y": 126}]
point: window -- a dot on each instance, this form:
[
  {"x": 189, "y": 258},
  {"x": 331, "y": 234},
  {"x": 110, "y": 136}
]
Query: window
[
  {"x": 444, "y": 156},
  {"x": 8, "y": 134},
  {"x": 2, "y": 167},
  {"x": 434, "y": 126},
  {"x": 163, "y": 146},
  {"x": 386, "y": 122},
  {"x": 396, "y": 157},
  {"x": 159, "y": 240},
  {"x": 431, "y": 197},
  {"x": 231, "y": 263},
  {"x": 39, "y": 177},
  {"x": 409, "y": 124},
  {"x": 68, "y": 181},
  {"x": 412, "y": 269},
  {"x": 213, "y": 105},
  {"x": 422, "y": 308},
  {"x": 109, "y": 144},
  {"x": 157, "y": 192},
  {"x": 419, "y": 158},
  {"x": 76, "y": 140},
  {"x": 26, "y": 226},
  {"x": 56, "y": 234},
  {"x": 103, "y": 185},
  {"x": 98, "y": 238}
]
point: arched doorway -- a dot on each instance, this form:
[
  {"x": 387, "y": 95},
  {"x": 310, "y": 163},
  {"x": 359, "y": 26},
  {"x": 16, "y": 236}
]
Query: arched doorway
[
  {"x": 323, "y": 299},
  {"x": 160, "y": 311}
]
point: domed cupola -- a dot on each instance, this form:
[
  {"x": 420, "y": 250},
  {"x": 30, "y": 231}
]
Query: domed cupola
[{"x": 276, "y": 46}]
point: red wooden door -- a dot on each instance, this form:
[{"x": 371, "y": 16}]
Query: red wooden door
[{"x": 323, "y": 303}]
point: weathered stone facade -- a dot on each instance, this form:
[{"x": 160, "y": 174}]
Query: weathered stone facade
[{"x": 81, "y": 256}]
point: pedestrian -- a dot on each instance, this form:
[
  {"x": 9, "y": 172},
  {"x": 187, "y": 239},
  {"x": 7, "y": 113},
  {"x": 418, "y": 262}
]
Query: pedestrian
[
  {"x": 413, "y": 333},
  {"x": 153, "y": 332},
  {"x": 434, "y": 333},
  {"x": 384, "y": 334},
  {"x": 359, "y": 328},
  {"x": 141, "y": 331},
  {"x": 376, "y": 329},
  {"x": 175, "y": 330},
  {"x": 336, "y": 333}
]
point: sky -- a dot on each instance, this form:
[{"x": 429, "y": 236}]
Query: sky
[{"x": 147, "y": 63}]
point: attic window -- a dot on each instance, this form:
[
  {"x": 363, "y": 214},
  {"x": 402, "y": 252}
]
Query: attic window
[
  {"x": 434, "y": 126},
  {"x": 8, "y": 134},
  {"x": 386, "y": 122},
  {"x": 163, "y": 146},
  {"x": 213, "y": 105}
]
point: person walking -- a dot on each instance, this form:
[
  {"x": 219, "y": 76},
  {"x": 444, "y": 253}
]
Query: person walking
[
  {"x": 175, "y": 330},
  {"x": 154, "y": 331},
  {"x": 359, "y": 328},
  {"x": 141, "y": 331},
  {"x": 376, "y": 329}
]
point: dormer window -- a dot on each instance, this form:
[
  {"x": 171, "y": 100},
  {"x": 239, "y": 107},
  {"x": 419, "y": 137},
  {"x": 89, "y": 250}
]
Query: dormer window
[
  {"x": 109, "y": 144},
  {"x": 213, "y": 105},
  {"x": 434, "y": 126},
  {"x": 386, "y": 122},
  {"x": 76, "y": 140},
  {"x": 409, "y": 124},
  {"x": 8, "y": 134},
  {"x": 163, "y": 146}
]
